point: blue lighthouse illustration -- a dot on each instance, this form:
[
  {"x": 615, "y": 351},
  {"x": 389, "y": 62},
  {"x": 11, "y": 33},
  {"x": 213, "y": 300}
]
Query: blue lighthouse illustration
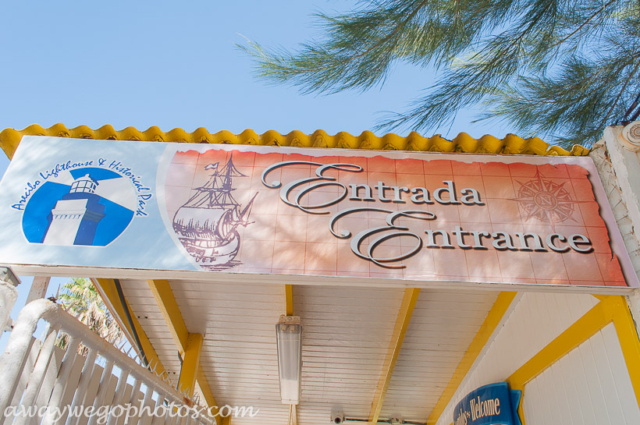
[
  {"x": 74, "y": 219},
  {"x": 87, "y": 206}
]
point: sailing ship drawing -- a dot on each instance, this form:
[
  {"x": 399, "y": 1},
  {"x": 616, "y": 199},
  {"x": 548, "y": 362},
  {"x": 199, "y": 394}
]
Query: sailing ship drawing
[{"x": 207, "y": 223}]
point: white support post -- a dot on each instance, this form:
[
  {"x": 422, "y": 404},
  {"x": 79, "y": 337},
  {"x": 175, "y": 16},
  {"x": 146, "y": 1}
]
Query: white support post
[{"x": 38, "y": 288}]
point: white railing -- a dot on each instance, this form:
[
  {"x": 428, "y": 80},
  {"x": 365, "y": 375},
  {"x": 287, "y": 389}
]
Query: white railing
[{"x": 43, "y": 384}]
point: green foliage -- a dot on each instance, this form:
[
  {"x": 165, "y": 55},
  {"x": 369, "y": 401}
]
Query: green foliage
[
  {"x": 561, "y": 70},
  {"x": 81, "y": 299}
]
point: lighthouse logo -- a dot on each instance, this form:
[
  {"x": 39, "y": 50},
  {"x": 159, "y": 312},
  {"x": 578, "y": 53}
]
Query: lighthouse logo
[{"x": 87, "y": 206}]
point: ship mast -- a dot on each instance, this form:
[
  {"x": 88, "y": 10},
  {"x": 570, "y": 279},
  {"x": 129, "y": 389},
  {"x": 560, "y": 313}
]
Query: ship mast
[{"x": 216, "y": 192}]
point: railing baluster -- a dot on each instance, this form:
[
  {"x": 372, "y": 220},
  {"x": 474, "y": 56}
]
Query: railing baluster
[
  {"x": 102, "y": 391},
  {"x": 61, "y": 382},
  {"x": 117, "y": 399},
  {"x": 37, "y": 376},
  {"x": 85, "y": 378},
  {"x": 188, "y": 419},
  {"x": 133, "y": 399},
  {"x": 156, "y": 419},
  {"x": 146, "y": 401},
  {"x": 135, "y": 391}
]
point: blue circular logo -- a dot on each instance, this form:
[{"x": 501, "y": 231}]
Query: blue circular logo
[{"x": 85, "y": 206}]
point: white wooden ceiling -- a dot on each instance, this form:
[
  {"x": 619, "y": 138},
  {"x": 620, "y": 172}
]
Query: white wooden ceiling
[{"x": 346, "y": 336}]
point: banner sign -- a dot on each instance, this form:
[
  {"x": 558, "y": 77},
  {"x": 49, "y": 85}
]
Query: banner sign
[
  {"x": 392, "y": 216},
  {"x": 490, "y": 404}
]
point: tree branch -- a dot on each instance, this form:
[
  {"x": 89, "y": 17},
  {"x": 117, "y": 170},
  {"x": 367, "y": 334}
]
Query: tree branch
[
  {"x": 624, "y": 86},
  {"x": 400, "y": 26},
  {"x": 583, "y": 24}
]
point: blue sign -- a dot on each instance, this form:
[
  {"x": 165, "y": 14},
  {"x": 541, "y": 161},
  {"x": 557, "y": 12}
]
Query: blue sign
[{"x": 490, "y": 404}]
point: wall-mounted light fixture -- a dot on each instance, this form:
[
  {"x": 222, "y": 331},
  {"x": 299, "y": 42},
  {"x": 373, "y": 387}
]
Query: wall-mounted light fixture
[{"x": 289, "y": 340}]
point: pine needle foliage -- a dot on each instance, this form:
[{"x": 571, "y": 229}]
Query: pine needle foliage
[
  {"x": 557, "y": 69},
  {"x": 81, "y": 299}
]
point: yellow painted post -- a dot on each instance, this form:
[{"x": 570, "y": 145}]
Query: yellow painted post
[
  {"x": 288, "y": 289},
  {"x": 190, "y": 365},
  {"x": 400, "y": 330}
]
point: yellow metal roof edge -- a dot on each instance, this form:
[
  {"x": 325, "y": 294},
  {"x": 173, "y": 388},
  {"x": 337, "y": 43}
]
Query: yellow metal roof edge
[{"x": 510, "y": 144}]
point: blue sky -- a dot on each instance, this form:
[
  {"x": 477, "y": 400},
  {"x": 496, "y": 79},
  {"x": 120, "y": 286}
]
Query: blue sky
[{"x": 175, "y": 64}]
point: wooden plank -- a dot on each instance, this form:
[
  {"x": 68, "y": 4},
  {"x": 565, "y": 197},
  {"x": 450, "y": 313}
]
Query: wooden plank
[
  {"x": 72, "y": 385},
  {"x": 91, "y": 392},
  {"x": 50, "y": 377},
  {"x": 402, "y": 324},
  {"x": 166, "y": 301}
]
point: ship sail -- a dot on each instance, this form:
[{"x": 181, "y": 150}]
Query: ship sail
[
  {"x": 207, "y": 223},
  {"x": 216, "y": 192}
]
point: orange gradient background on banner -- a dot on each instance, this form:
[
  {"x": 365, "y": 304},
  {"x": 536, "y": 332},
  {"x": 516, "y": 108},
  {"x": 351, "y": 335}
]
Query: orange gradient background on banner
[{"x": 282, "y": 239}]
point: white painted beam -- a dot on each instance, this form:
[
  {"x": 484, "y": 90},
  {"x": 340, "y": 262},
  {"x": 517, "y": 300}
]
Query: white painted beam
[{"x": 38, "y": 288}]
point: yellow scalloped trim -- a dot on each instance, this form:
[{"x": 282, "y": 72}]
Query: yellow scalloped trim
[{"x": 511, "y": 144}]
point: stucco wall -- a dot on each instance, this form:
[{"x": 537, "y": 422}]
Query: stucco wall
[{"x": 618, "y": 163}]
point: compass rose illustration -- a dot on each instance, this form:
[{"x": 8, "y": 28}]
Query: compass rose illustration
[{"x": 546, "y": 200}]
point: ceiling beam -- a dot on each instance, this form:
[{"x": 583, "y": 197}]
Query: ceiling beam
[
  {"x": 108, "y": 292},
  {"x": 288, "y": 293},
  {"x": 400, "y": 330},
  {"x": 166, "y": 300},
  {"x": 190, "y": 365},
  {"x": 208, "y": 396},
  {"x": 170, "y": 310},
  {"x": 498, "y": 314}
]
